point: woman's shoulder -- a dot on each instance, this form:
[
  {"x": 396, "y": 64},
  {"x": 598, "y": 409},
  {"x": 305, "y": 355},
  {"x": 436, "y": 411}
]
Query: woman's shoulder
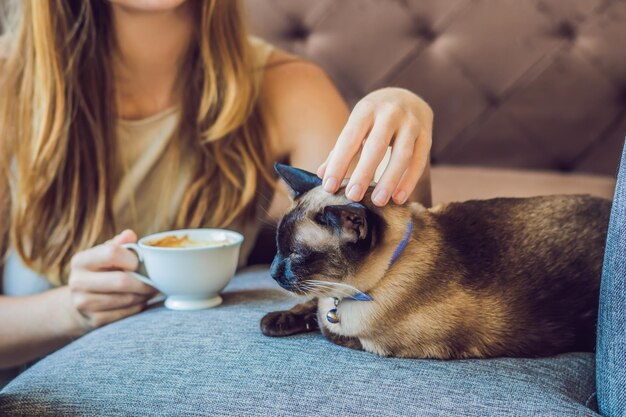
[
  {"x": 284, "y": 70},
  {"x": 297, "y": 95}
]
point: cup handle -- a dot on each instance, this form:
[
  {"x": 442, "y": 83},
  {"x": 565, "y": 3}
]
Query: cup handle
[{"x": 135, "y": 248}]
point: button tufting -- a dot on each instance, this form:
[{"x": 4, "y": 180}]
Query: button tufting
[
  {"x": 299, "y": 32},
  {"x": 566, "y": 30},
  {"x": 485, "y": 88},
  {"x": 426, "y": 32},
  {"x": 493, "y": 100}
]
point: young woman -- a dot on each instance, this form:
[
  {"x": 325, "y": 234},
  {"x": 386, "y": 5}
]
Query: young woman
[{"x": 150, "y": 115}]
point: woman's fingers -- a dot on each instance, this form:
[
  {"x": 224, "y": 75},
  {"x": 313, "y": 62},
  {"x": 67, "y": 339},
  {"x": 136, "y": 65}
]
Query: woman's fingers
[
  {"x": 385, "y": 114},
  {"x": 109, "y": 282},
  {"x": 87, "y": 302},
  {"x": 127, "y": 236},
  {"x": 322, "y": 168},
  {"x": 401, "y": 155},
  {"x": 101, "y": 318},
  {"x": 415, "y": 170},
  {"x": 348, "y": 144},
  {"x": 105, "y": 257},
  {"x": 373, "y": 153},
  {"x": 102, "y": 291}
]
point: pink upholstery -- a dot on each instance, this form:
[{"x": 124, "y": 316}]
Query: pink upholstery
[{"x": 532, "y": 84}]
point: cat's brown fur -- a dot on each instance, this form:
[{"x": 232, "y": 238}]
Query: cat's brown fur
[{"x": 500, "y": 277}]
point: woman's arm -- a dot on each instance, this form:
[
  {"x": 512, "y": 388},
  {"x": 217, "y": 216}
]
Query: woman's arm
[
  {"x": 33, "y": 326},
  {"x": 99, "y": 292}
]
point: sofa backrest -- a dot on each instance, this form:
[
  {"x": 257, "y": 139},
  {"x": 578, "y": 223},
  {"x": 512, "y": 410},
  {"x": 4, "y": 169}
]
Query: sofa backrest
[
  {"x": 528, "y": 84},
  {"x": 535, "y": 84}
]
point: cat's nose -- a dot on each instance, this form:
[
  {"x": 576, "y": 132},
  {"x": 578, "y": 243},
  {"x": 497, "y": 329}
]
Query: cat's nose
[
  {"x": 277, "y": 268},
  {"x": 281, "y": 271}
]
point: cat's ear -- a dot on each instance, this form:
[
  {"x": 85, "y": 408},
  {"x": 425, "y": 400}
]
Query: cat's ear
[
  {"x": 299, "y": 180},
  {"x": 350, "y": 220}
]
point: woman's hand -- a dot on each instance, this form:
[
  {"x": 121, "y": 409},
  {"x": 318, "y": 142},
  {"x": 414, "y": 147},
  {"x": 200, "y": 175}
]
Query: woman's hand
[
  {"x": 391, "y": 116},
  {"x": 102, "y": 291}
]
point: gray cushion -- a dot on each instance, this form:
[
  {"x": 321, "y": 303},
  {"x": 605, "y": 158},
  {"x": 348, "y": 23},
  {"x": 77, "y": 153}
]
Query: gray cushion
[{"x": 216, "y": 362}]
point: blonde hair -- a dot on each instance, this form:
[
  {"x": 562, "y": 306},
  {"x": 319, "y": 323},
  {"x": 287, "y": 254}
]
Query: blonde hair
[{"x": 57, "y": 118}]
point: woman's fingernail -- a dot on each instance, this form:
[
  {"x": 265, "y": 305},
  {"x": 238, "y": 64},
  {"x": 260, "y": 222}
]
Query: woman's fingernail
[
  {"x": 320, "y": 170},
  {"x": 401, "y": 197},
  {"x": 354, "y": 193},
  {"x": 380, "y": 197},
  {"x": 330, "y": 185}
]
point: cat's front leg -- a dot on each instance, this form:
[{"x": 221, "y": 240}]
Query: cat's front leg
[
  {"x": 345, "y": 341},
  {"x": 301, "y": 318}
]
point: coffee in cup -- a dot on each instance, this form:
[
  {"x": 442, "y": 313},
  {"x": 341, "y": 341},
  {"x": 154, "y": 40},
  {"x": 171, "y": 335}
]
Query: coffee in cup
[{"x": 184, "y": 241}]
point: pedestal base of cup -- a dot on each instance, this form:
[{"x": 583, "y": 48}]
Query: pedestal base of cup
[{"x": 179, "y": 303}]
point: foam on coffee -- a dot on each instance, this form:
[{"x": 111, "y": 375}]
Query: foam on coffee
[{"x": 184, "y": 241}]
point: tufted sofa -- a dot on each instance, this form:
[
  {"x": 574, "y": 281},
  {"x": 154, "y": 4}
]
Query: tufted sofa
[
  {"x": 529, "y": 98},
  {"x": 515, "y": 85}
]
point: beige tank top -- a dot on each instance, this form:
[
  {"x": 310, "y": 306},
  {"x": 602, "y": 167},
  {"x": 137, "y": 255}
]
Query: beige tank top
[{"x": 141, "y": 203}]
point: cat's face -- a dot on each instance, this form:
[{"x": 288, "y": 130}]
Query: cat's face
[{"x": 323, "y": 238}]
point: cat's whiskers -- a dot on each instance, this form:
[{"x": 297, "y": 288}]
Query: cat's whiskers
[
  {"x": 339, "y": 285},
  {"x": 306, "y": 287},
  {"x": 337, "y": 288},
  {"x": 320, "y": 290},
  {"x": 331, "y": 290}
]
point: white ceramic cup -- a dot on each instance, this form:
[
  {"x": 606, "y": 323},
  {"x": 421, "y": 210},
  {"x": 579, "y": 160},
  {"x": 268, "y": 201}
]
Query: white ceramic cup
[{"x": 191, "y": 278}]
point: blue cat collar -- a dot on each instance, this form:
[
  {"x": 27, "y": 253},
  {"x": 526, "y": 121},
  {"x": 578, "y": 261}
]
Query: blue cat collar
[{"x": 402, "y": 245}]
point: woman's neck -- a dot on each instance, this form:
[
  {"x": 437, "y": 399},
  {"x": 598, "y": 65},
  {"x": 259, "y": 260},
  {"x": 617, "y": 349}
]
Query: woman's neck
[{"x": 149, "y": 50}]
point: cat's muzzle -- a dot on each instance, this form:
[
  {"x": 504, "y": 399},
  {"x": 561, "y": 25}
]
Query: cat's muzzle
[{"x": 281, "y": 271}]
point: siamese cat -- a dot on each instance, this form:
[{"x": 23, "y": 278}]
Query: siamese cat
[{"x": 478, "y": 279}]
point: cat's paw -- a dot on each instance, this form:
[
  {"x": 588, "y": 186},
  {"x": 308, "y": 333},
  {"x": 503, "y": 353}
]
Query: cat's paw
[{"x": 287, "y": 323}]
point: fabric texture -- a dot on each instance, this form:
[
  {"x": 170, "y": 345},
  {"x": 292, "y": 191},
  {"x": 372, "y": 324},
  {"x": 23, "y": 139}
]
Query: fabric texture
[
  {"x": 611, "y": 350},
  {"x": 216, "y": 362}
]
